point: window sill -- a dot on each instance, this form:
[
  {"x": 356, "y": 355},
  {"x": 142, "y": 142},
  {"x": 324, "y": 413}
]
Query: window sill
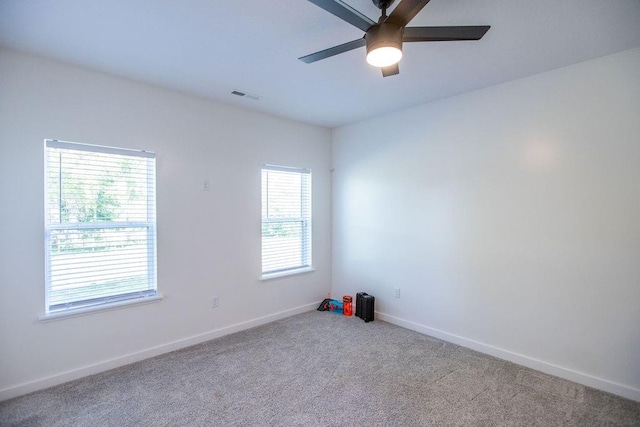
[
  {"x": 272, "y": 276},
  {"x": 59, "y": 315}
]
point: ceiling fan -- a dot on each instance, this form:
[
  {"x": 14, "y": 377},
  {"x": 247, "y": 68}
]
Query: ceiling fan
[{"x": 384, "y": 39}]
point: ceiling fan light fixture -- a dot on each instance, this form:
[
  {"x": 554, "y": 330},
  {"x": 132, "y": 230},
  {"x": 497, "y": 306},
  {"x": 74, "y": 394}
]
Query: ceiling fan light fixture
[
  {"x": 384, "y": 44},
  {"x": 384, "y": 56}
]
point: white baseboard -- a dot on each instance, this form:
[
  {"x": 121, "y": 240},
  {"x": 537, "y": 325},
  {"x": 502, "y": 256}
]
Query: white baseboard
[
  {"x": 520, "y": 359},
  {"x": 106, "y": 365}
]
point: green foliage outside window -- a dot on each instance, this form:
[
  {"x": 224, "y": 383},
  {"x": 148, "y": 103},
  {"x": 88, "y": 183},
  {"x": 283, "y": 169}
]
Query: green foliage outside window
[{"x": 83, "y": 194}]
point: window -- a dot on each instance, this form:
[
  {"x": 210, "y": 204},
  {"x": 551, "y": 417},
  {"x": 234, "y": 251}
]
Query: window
[
  {"x": 100, "y": 226},
  {"x": 286, "y": 220}
]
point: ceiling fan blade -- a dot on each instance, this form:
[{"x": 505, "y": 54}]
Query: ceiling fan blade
[
  {"x": 441, "y": 34},
  {"x": 405, "y": 11},
  {"x": 391, "y": 70},
  {"x": 345, "y": 12},
  {"x": 332, "y": 51}
]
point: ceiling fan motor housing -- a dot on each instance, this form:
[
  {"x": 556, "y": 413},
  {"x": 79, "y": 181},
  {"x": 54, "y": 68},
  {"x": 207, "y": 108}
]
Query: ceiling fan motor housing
[
  {"x": 384, "y": 35},
  {"x": 383, "y": 4}
]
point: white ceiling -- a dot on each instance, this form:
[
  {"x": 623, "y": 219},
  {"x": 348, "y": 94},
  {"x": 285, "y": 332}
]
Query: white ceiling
[{"x": 211, "y": 47}]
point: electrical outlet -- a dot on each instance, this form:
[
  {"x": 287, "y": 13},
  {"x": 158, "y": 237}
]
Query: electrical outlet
[
  {"x": 205, "y": 185},
  {"x": 215, "y": 302},
  {"x": 396, "y": 292}
]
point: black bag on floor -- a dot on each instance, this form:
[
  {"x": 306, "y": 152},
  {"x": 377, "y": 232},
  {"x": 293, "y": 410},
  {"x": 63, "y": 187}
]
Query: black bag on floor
[{"x": 365, "y": 305}]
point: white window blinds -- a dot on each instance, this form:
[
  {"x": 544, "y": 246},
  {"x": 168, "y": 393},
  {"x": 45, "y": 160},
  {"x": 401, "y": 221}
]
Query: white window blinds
[
  {"x": 100, "y": 225},
  {"x": 286, "y": 219}
]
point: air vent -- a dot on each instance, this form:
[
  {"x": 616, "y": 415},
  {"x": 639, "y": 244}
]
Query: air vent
[{"x": 245, "y": 95}]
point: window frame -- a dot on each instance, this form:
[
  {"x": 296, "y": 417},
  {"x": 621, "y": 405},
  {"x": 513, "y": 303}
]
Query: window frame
[
  {"x": 305, "y": 219},
  {"x": 72, "y": 308}
]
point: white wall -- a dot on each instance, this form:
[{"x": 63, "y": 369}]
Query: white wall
[
  {"x": 208, "y": 242},
  {"x": 509, "y": 217}
]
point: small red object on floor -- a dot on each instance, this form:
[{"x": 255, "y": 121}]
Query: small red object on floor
[{"x": 347, "y": 305}]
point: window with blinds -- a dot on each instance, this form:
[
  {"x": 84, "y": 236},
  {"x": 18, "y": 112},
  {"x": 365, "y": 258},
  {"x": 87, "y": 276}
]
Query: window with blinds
[
  {"x": 286, "y": 220},
  {"x": 100, "y": 225}
]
